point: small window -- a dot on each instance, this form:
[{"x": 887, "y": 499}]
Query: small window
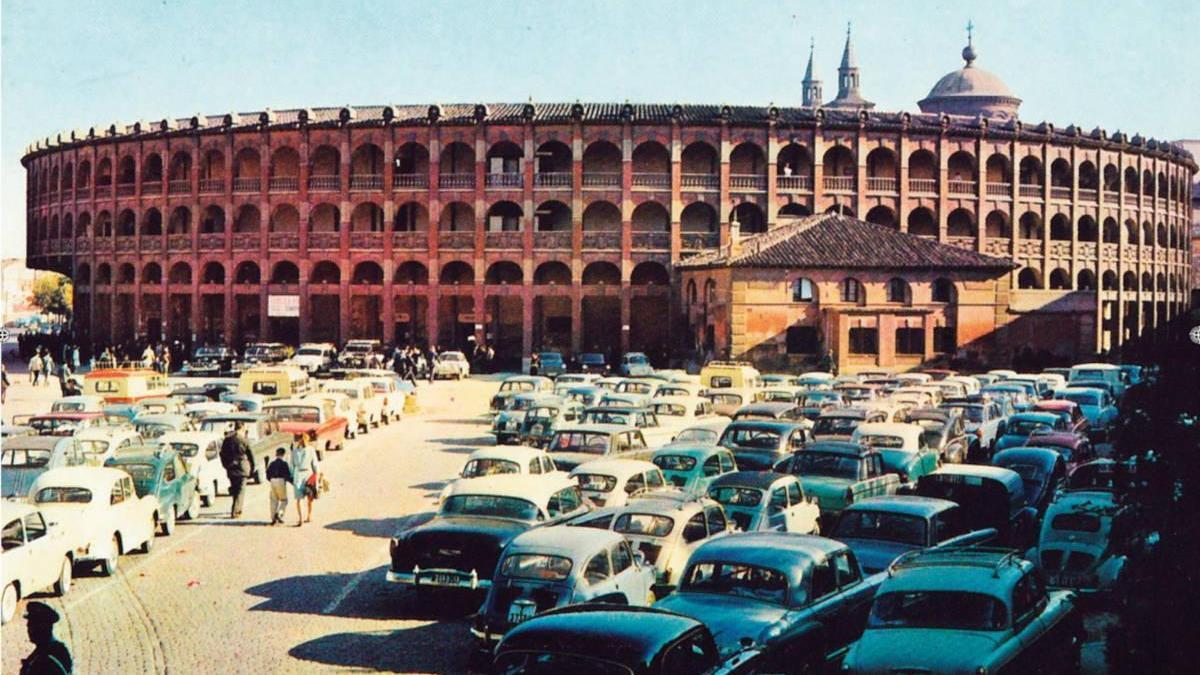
[
  {"x": 597, "y": 568},
  {"x": 535, "y": 466},
  {"x": 654, "y": 479},
  {"x": 864, "y": 341},
  {"x": 35, "y": 527},
  {"x": 635, "y": 483},
  {"x": 118, "y": 493},
  {"x": 794, "y": 494},
  {"x": 695, "y": 528},
  {"x": 622, "y": 559},
  {"x": 852, "y": 291},
  {"x": 910, "y": 340},
  {"x": 779, "y": 499},
  {"x": 943, "y": 290},
  {"x": 802, "y": 340},
  {"x": 824, "y": 582},
  {"x": 547, "y": 465},
  {"x": 13, "y": 536},
  {"x": 898, "y": 291},
  {"x": 712, "y": 466},
  {"x": 716, "y": 520},
  {"x": 169, "y": 473},
  {"x": 727, "y": 463},
  {"x": 944, "y": 339},
  {"x": 847, "y": 569},
  {"x": 569, "y": 499},
  {"x": 802, "y": 290},
  {"x": 636, "y": 441},
  {"x": 1027, "y": 594}
]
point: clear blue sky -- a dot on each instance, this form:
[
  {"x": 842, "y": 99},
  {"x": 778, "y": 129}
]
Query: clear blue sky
[{"x": 1117, "y": 64}]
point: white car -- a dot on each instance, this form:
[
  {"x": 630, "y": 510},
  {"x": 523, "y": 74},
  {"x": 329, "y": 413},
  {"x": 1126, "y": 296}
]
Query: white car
[
  {"x": 101, "y": 443},
  {"x": 100, "y": 512},
  {"x": 315, "y": 356},
  {"x": 368, "y": 408},
  {"x": 702, "y": 432},
  {"x": 677, "y": 389},
  {"x": 501, "y": 459},
  {"x": 392, "y": 398},
  {"x": 568, "y": 380},
  {"x": 198, "y": 411},
  {"x": 680, "y": 412},
  {"x": 200, "y": 452},
  {"x": 613, "y": 482},
  {"x": 36, "y": 556},
  {"x": 78, "y": 404},
  {"x": 451, "y": 365}
]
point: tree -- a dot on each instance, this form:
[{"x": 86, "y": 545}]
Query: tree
[{"x": 53, "y": 294}]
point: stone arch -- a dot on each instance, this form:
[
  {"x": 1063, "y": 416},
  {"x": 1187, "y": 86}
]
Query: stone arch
[
  {"x": 1132, "y": 182},
  {"x": 457, "y": 158},
  {"x": 1030, "y": 226},
  {"x": 552, "y": 272},
  {"x": 1147, "y": 233},
  {"x": 1112, "y": 178},
  {"x": 180, "y": 168},
  {"x": 748, "y": 159},
  {"x": 457, "y": 272},
  {"x": 247, "y": 219},
  {"x": 412, "y": 272},
  {"x": 104, "y": 172},
  {"x": 214, "y": 220},
  {"x": 1087, "y": 229},
  {"x": 1131, "y": 232},
  {"x": 1060, "y": 280},
  {"x": 602, "y": 157},
  {"x": 285, "y": 272},
  {"x": 247, "y": 272},
  {"x": 882, "y": 215},
  {"x": 152, "y": 168},
  {"x": 325, "y": 272},
  {"x": 553, "y": 156},
  {"x": 996, "y": 225},
  {"x": 367, "y": 217},
  {"x": 181, "y": 273},
  {"x": 411, "y": 217},
  {"x": 180, "y": 221},
  {"x": 411, "y": 158},
  {"x": 104, "y": 224},
  {"x": 325, "y": 218},
  {"x": 83, "y": 174},
  {"x": 53, "y": 233},
  {"x": 213, "y": 272},
  {"x": 1129, "y": 281},
  {"x": 961, "y": 223},
  {"x": 247, "y": 163},
  {"x": 504, "y": 157},
  {"x": 601, "y": 216},
  {"x": 127, "y": 170},
  {"x": 699, "y": 217},
  {"x": 839, "y": 161},
  {"x": 286, "y": 218},
  {"x": 841, "y": 209},
  {"x": 457, "y": 217},
  {"x": 324, "y": 160},
  {"x": 83, "y": 274},
  {"x": 699, "y": 157},
  {"x": 922, "y": 222},
  {"x": 126, "y": 223},
  {"x": 1061, "y": 173},
  {"x": 152, "y": 222},
  {"x": 749, "y": 218},
  {"x": 999, "y": 169},
  {"x": 881, "y": 163},
  {"x": 1030, "y": 277},
  {"x": 651, "y": 157},
  {"x": 922, "y": 165},
  {"x": 962, "y": 166},
  {"x": 1147, "y": 281},
  {"x": 212, "y": 165},
  {"x": 68, "y": 227},
  {"x": 1109, "y": 280},
  {"x": 504, "y": 272},
  {"x": 650, "y": 216},
  {"x": 1112, "y": 231},
  {"x": 898, "y": 291},
  {"x": 1085, "y": 280},
  {"x": 852, "y": 292},
  {"x": 1089, "y": 177},
  {"x": 285, "y": 163},
  {"x": 126, "y": 274},
  {"x": 601, "y": 272},
  {"x": 505, "y": 216},
  {"x": 152, "y": 273},
  {"x": 1162, "y": 235},
  {"x": 1060, "y": 227},
  {"x": 84, "y": 228},
  {"x": 552, "y": 216},
  {"x": 1148, "y": 183},
  {"x": 1030, "y": 171},
  {"x": 104, "y": 274},
  {"x": 367, "y": 160},
  {"x": 795, "y": 157},
  {"x": 650, "y": 273},
  {"x": 943, "y": 290},
  {"x": 367, "y": 272}
]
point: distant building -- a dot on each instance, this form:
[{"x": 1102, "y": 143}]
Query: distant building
[{"x": 1193, "y": 146}]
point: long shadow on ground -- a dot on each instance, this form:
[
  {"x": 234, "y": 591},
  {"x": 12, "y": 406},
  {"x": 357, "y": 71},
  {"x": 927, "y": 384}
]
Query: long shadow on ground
[
  {"x": 422, "y": 649},
  {"x": 380, "y": 527}
]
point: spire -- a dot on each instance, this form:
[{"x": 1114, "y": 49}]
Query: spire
[
  {"x": 848, "y": 95},
  {"x": 968, "y": 52},
  {"x": 848, "y": 60},
  {"x": 811, "y": 88}
]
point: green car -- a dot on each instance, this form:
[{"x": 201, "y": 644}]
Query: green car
[
  {"x": 838, "y": 474},
  {"x": 159, "y": 471}
]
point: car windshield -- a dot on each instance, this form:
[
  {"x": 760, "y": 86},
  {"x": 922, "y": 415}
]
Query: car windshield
[
  {"x": 973, "y": 413},
  {"x": 207, "y": 353},
  {"x": 596, "y": 482},
  {"x": 1024, "y": 427},
  {"x": 766, "y": 439},
  {"x": 490, "y": 505},
  {"x": 185, "y": 449},
  {"x": 67, "y": 406},
  {"x": 310, "y": 351},
  {"x": 1081, "y": 397},
  {"x": 94, "y": 448},
  {"x": 1089, "y": 375},
  {"x": 591, "y": 358},
  {"x": 675, "y": 462},
  {"x": 544, "y": 412},
  {"x": 882, "y": 525},
  {"x": 143, "y": 477},
  {"x": 881, "y": 441},
  {"x": 647, "y": 524},
  {"x": 551, "y": 358},
  {"x": 607, "y": 417},
  {"x": 153, "y": 429},
  {"x": 738, "y": 580},
  {"x": 536, "y": 566},
  {"x": 488, "y": 467},
  {"x": 701, "y": 436},
  {"x": 26, "y": 459},
  {"x": 724, "y": 399},
  {"x": 49, "y": 425},
  {"x": 938, "y": 609},
  {"x": 670, "y": 409},
  {"x": 63, "y": 495},
  {"x": 295, "y": 413},
  {"x": 1076, "y": 522},
  {"x": 825, "y": 464},
  {"x": 814, "y": 398},
  {"x": 633, "y": 388},
  {"x": 517, "y": 386},
  {"x": 835, "y": 426},
  {"x": 580, "y": 441},
  {"x": 736, "y": 496}
]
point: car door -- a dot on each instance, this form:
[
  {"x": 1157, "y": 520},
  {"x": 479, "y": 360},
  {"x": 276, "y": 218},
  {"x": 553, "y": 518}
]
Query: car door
[
  {"x": 119, "y": 513},
  {"x": 777, "y": 509},
  {"x": 717, "y": 524},
  {"x": 597, "y": 577},
  {"x": 168, "y": 487},
  {"x": 16, "y": 554},
  {"x": 628, "y": 578},
  {"x": 43, "y": 569},
  {"x": 802, "y": 514}
]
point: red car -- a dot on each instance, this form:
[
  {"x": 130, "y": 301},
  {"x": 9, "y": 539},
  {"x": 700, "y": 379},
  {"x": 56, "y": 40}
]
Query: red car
[
  {"x": 308, "y": 416},
  {"x": 1075, "y": 448},
  {"x": 60, "y": 423},
  {"x": 1068, "y": 409}
]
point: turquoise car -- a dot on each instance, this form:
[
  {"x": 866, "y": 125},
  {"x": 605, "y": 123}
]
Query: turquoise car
[
  {"x": 1022, "y": 425},
  {"x": 692, "y": 468},
  {"x": 159, "y": 471}
]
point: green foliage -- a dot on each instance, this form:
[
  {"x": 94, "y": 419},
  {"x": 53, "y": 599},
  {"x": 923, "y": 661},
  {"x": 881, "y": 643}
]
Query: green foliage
[{"x": 53, "y": 295}]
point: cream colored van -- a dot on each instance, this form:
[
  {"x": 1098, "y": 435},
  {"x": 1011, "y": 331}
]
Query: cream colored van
[
  {"x": 730, "y": 375},
  {"x": 275, "y": 382}
]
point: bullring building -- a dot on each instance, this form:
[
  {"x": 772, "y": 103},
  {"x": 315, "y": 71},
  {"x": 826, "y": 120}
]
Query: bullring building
[{"x": 571, "y": 226}]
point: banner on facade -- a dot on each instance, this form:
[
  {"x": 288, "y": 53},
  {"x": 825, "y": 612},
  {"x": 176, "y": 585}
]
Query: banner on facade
[{"x": 283, "y": 305}]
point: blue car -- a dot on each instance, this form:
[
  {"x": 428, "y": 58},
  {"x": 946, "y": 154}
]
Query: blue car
[
  {"x": 881, "y": 529},
  {"x": 1097, "y": 406},
  {"x": 1022, "y": 425},
  {"x": 635, "y": 364}
]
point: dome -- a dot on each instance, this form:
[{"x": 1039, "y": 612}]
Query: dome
[
  {"x": 969, "y": 81},
  {"x": 971, "y": 91}
]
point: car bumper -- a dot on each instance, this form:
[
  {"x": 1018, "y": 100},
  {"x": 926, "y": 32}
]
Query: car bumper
[{"x": 439, "y": 578}]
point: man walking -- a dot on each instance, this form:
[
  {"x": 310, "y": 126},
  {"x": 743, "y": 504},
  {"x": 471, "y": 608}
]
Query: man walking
[
  {"x": 49, "y": 656},
  {"x": 35, "y": 368},
  {"x": 238, "y": 461},
  {"x": 280, "y": 474}
]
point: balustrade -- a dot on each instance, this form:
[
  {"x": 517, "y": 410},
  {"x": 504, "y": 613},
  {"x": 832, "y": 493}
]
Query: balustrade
[
  {"x": 1030, "y": 191},
  {"x": 126, "y": 244},
  {"x": 411, "y": 241},
  {"x": 410, "y": 180},
  {"x": 652, "y": 241},
  {"x": 962, "y": 187},
  {"x": 999, "y": 189},
  {"x": 456, "y": 240},
  {"x": 962, "y": 242},
  {"x": 325, "y": 183},
  {"x": 211, "y": 185},
  {"x": 456, "y": 181},
  {"x": 1087, "y": 195},
  {"x": 601, "y": 241},
  {"x": 212, "y": 242},
  {"x": 881, "y": 184},
  {"x": 1060, "y": 193},
  {"x": 503, "y": 240},
  {"x": 283, "y": 241},
  {"x": 794, "y": 183},
  {"x": 700, "y": 181},
  {"x": 551, "y": 179},
  {"x": 660, "y": 181},
  {"x": 505, "y": 180},
  {"x": 246, "y": 241},
  {"x": 1029, "y": 248},
  {"x": 151, "y": 243},
  {"x": 103, "y": 191},
  {"x": 247, "y": 184},
  {"x": 996, "y": 247},
  {"x": 324, "y": 240},
  {"x": 179, "y": 242},
  {"x": 370, "y": 181},
  {"x": 922, "y": 185},
  {"x": 153, "y": 187},
  {"x": 601, "y": 180},
  {"x": 552, "y": 240},
  {"x": 126, "y": 189},
  {"x": 839, "y": 183},
  {"x": 747, "y": 182},
  {"x": 179, "y": 187},
  {"x": 284, "y": 184}
]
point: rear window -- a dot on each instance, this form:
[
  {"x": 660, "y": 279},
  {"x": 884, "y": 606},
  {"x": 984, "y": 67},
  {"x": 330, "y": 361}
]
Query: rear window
[
  {"x": 489, "y": 467},
  {"x": 265, "y": 388},
  {"x": 578, "y": 441},
  {"x": 671, "y": 409},
  {"x": 881, "y": 441},
  {"x": 736, "y": 496},
  {"x": 596, "y": 482},
  {"x": 644, "y": 524},
  {"x": 1076, "y": 522},
  {"x": 767, "y": 439},
  {"x": 536, "y": 566},
  {"x": 26, "y": 459},
  {"x": 675, "y": 462},
  {"x": 63, "y": 495}
]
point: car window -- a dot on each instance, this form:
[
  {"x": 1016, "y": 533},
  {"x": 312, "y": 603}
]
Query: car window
[
  {"x": 794, "y": 495},
  {"x": 654, "y": 479},
  {"x": 779, "y": 499},
  {"x": 622, "y": 559},
  {"x": 694, "y": 654},
  {"x": 535, "y": 465},
  {"x": 824, "y": 580},
  {"x": 636, "y": 441},
  {"x": 35, "y": 527},
  {"x": 635, "y": 483},
  {"x": 727, "y": 463},
  {"x": 597, "y": 568},
  {"x": 695, "y": 529},
  {"x": 846, "y": 566},
  {"x": 118, "y": 493},
  {"x": 569, "y": 499},
  {"x": 12, "y": 536},
  {"x": 547, "y": 465},
  {"x": 1027, "y": 593},
  {"x": 712, "y": 466},
  {"x": 716, "y": 520},
  {"x": 169, "y": 472},
  {"x": 949, "y": 524}
]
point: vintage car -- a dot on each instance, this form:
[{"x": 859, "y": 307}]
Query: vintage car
[
  {"x": 984, "y": 422},
  {"x": 692, "y": 468},
  {"x": 539, "y": 422},
  {"x": 153, "y": 425},
  {"x": 246, "y": 403},
  {"x": 451, "y": 365},
  {"x": 815, "y": 401},
  {"x": 314, "y": 357},
  {"x": 392, "y": 397},
  {"x": 990, "y": 496},
  {"x": 310, "y": 416},
  {"x": 1017, "y": 395},
  {"x": 838, "y": 424},
  {"x": 508, "y": 424},
  {"x": 584, "y": 394},
  {"x": 545, "y": 568},
  {"x": 1103, "y": 372},
  {"x": 551, "y": 364},
  {"x": 797, "y": 599},
  {"x": 262, "y": 433},
  {"x": 681, "y": 411},
  {"x": 902, "y": 447},
  {"x": 728, "y": 401},
  {"x": 730, "y": 375},
  {"x": 79, "y": 403},
  {"x": 608, "y": 382},
  {"x": 770, "y": 380},
  {"x": 60, "y": 423},
  {"x": 200, "y": 452},
  {"x": 839, "y": 473},
  {"x": 1042, "y": 470},
  {"x": 1068, "y": 410},
  {"x": 1074, "y": 448},
  {"x": 815, "y": 380},
  {"x": 881, "y": 529},
  {"x": 943, "y": 431},
  {"x": 665, "y": 527},
  {"x": 634, "y": 364},
  {"x": 777, "y": 393},
  {"x": 100, "y": 511},
  {"x": 607, "y": 638},
  {"x": 368, "y": 407},
  {"x": 519, "y": 384},
  {"x": 759, "y": 445},
  {"x": 772, "y": 411},
  {"x": 612, "y": 482},
  {"x": 703, "y": 432},
  {"x": 208, "y": 361},
  {"x": 643, "y": 418},
  {"x": 1022, "y": 425},
  {"x": 984, "y": 609},
  {"x": 765, "y": 500},
  {"x": 573, "y": 380},
  {"x": 362, "y": 353},
  {"x": 101, "y": 443},
  {"x": 159, "y": 471},
  {"x": 1085, "y": 541},
  {"x": 24, "y": 458},
  {"x": 125, "y": 385},
  {"x": 684, "y": 389},
  {"x": 161, "y": 405},
  {"x": 1097, "y": 405},
  {"x": 593, "y": 363},
  {"x": 14, "y": 430},
  {"x": 36, "y": 557},
  {"x": 342, "y": 407},
  {"x": 198, "y": 411},
  {"x": 574, "y": 444},
  {"x": 461, "y": 545},
  {"x": 266, "y": 353}
]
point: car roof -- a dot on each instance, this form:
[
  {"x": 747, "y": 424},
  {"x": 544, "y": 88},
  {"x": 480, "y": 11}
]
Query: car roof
[
  {"x": 681, "y": 400},
  {"x": 767, "y": 549},
  {"x": 1094, "y": 366},
  {"x": 237, "y": 417},
  {"x": 533, "y": 487},
  {"x": 772, "y": 407},
  {"x": 81, "y": 476},
  {"x": 104, "y": 433},
  {"x": 1010, "y": 478},
  {"x": 616, "y": 466},
  {"x": 162, "y": 417},
  {"x": 519, "y": 453},
  {"x": 1035, "y": 416},
  {"x": 197, "y": 437},
  {"x": 595, "y": 428},
  {"x": 772, "y": 425},
  {"x": 907, "y": 504},
  {"x": 1055, "y": 404},
  {"x": 1044, "y": 457},
  {"x": 629, "y": 635},
  {"x": 700, "y": 452},
  {"x": 526, "y": 378},
  {"x": 760, "y": 480},
  {"x": 977, "y": 569},
  {"x": 569, "y": 542},
  {"x": 908, "y": 432},
  {"x": 142, "y": 454},
  {"x": 837, "y": 448},
  {"x": 279, "y": 402}
]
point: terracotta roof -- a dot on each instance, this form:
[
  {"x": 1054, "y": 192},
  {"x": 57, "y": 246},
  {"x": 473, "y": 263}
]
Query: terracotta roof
[{"x": 835, "y": 241}]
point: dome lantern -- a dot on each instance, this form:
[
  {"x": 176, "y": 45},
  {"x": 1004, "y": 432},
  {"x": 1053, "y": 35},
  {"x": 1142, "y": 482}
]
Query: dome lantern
[{"x": 971, "y": 91}]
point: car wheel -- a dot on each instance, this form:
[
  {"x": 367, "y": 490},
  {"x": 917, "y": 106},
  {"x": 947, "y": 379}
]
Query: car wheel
[
  {"x": 168, "y": 523},
  {"x": 63, "y": 585},
  {"x": 193, "y": 509},
  {"x": 108, "y": 566},
  {"x": 8, "y": 604}
]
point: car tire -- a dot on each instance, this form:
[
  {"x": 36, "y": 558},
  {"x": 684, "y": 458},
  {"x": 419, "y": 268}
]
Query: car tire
[
  {"x": 8, "y": 603},
  {"x": 168, "y": 524},
  {"x": 193, "y": 509},
  {"x": 108, "y": 566},
  {"x": 65, "y": 575}
]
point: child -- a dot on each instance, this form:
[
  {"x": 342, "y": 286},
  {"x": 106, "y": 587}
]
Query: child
[{"x": 279, "y": 473}]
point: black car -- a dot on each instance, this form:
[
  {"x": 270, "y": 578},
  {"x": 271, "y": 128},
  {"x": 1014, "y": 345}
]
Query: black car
[
  {"x": 593, "y": 362},
  {"x": 265, "y": 353},
  {"x": 990, "y": 496},
  {"x": 1042, "y": 470},
  {"x": 206, "y": 392},
  {"x": 209, "y": 361},
  {"x": 758, "y": 445}
]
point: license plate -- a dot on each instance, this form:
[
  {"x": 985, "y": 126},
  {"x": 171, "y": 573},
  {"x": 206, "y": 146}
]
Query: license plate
[
  {"x": 521, "y": 610},
  {"x": 440, "y": 579},
  {"x": 1068, "y": 580}
]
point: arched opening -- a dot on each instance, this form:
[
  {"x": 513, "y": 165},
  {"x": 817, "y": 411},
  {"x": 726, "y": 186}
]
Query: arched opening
[
  {"x": 943, "y": 291},
  {"x": 1162, "y": 235},
  {"x": 212, "y": 273},
  {"x": 324, "y": 162},
  {"x": 152, "y": 274},
  {"x": 794, "y": 160},
  {"x": 881, "y": 163},
  {"x": 1060, "y": 227},
  {"x": 996, "y": 225},
  {"x": 698, "y": 218},
  {"x": 882, "y": 215},
  {"x": 803, "y": 291},
  {"x": 413, "y": 217},
  {"x": 412, "y": 273},
  {"x": 999, "y": 169},
  {"x": 699, "y": 158},
  {"x": 1147, "y": 233},
  {"x": 366, "y": 166},
  {"x": 650, "y": 273},
  {"x": 1131, "y": 232},
  {"x": 1129, "y": 281},
  {"x": 601, "y": 273},
  {"x": 248, "y": 219},
  {"x": 552, "y": 272},
  {"x": 961, "y": 223},
  {"x": 68, "y": 229},
  {"x": 922, "y": 222},
  {"x": 214, "y": 220},
  {"x": 84, "y": 228},
  {"x": 841, "y": 209},
  {"x": 1162, "y": 185},
  {"x": 411, "y": 164},
  {"x": 748, "y": 218},
  {"x": 325, "y": 218},
  {"x": 505, "y": 157},
  {"x": 104, "y": 224},
  {"x": 1132, "y": 185},
  {"x": 504, "y": 272},
  {"x": 1109, "y": 280},
  {"x": 457, "y": 273},
  {"x": 898, "y": 291},
  {"x": 126, "y": 274},
  {"x": 285, "y": 272},
  {"x": 651, "y": 157},
  {"x": 1160, "y": 282},
  {"x": 922, "y": 165},
  {"x": 1030, "y": 226},
  {"x": 553, "y": 158},
  {"x": 505, "y": 217},
  {"x": 552, "y": 216},
  {"x": 962, "y": 166},
  {"x": 83, "y": 274},
  {"x": 367, "y": 217},
  {"x": 126, "y": 171},
  {"x": 1112, "y": 232},
  {"x": 104, "y": 274},
  {"x": 152, "y": 169},
  {"x": 1061, "y": 174},
  {"x": 852, "y": 291},
  {"x": 457, "y": 159},
  {"x": 104, "y": 173},
  {"x": 1087, "y": 228},
  {"x": 212, "y": 166},
  {"x": 152, "y": 222},
  {"x": 68, "y": 176},
  {"x": 126, "y": 224},
  {"x": 1060, "y": 280},
  {"x": 1030, "y": 171},
  {"x": 1089, "y": 178},
  {"x": 457, "y": 217},
  {"x": 285, "y": 219},
  {"x": 247, "y": 169},
  {"x": 651, "y": 217},
  {"x": 602, "y": 164},
  {"x": 325, "y": 272},
  {"x": 1085, "y": 280},
  {"x": 747, "y": 159},
  {"x": 1112, "y": 178},
  {"x": 285, "y": 168},
  {"x": 180, "y": 171},
  {"x": 601, "y": 216},
  {"x": 247, "y": 272},
  {"x": 839, "y": 162},
  {"x": 1029, "y": 278},
  {"x": 83, "y": 174},
  {"x": 367, "y": 273},
  {"x": 1148, "y": 183}
]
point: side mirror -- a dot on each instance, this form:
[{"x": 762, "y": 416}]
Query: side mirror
[{"x": 639, "y": 558}]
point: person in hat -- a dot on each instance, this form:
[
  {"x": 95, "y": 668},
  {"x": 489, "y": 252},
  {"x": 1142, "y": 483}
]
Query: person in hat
[{"x": 49, "y": 655}]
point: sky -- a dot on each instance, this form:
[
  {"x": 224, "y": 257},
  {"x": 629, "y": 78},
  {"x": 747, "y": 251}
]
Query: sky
[{"x": 65, "y": 65}]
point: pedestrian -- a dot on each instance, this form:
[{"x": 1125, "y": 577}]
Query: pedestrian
[
  {"x": 3, "y": 383},
  {"x": 238, "y": 461},
  {"x": 535, "y": 362},
  {"x": 35, "y": 368},
  {"x": 148, "y": 357},
  {"x": 305, "y": 475},
  {"x": 408, "y": 366},
  {"x": 430, "y": 358},
  {"x": 64, "y": 375},
  {"x": 491, "y": 356},
  {"x": 279, "y": 473},
  {"x": 47, "y": 369},
  {"x": 49, "y": 656},
  {"x": 75, "y": 358}
]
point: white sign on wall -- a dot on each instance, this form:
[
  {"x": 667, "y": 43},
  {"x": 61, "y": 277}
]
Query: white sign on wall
[{"x": 283, "y": 305}]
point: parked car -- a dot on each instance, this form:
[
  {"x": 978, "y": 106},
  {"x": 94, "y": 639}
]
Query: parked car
[
  {"x": 574, "y": 444},
  {"x": 799, "y": 600},
  {"x": 839, "y": 473},
  {"x": 392, "y": 397},
  {"x": 635, "y": 364},
  {"x": 765, "y": 500},
  {"x": 593, "y": 362},
  {"x": 209, "y": 361},
  {"x": 642, "y": 418},
  {"x": 1017, "y": 395},
  {"x": 519, "y": 384},
  {"x": 1103, "y": 372},
  {"x": 451, "y": 365},
  {"x": 262, "y": 433},
  {"x": 1085, "y": 542},
  {"x": 315, "y": 357},
  {"x": 838, "y": 424},
  {"x": 539, "y": 422},
  {"x": 678, "y": 412},
  {"x": 1023, "y": 425},
  {"x": 943, "y": 431},
  {"x": 79, "y": 403},
  {"x": 158, "y": 470},
  {"x": 1074, "y": 448},
  {"x": 368, "y": 407},
  {"x": 985, "y": 610},
  {"x": 1042, "y": 471},
  {"x": 1068, "y": 410},
  {"x": 759, "y": 445},
  {"x": 985, "y": 421},
  {"x": 510, "y": 459},
  {"x": 314, "y": 418},
  {"x": 246, "y": 403},
  {"x": 60, "y": 423},
  {"x": 153, "y": 425},
  {"x": 101, "y": 513},
  {"x": 813, "y": 402},
  {"x": 772, "y": 411},
  {"x": 36, "y": 557},
  {"x": 727, "y": 401},
  {"x": 1097, "y": 405},
  {"x": 103, "y": 442},
  {"x": 990, "y": 496},
  {"x": 508, "y": 424},
  {"x": 665, "y": 528},
  {"x": 901, "y": 446},
  {"x": 692, "y": 468},
  {"x": 265, "y": 353},
  {"x": 461, "y": 545},
  {"x": 24, "y": 458},
  {"x": 881, "y": 529},
  {"x": 200, "y": 452},
  {"x": 544, "y": 568},
  {"x": 551, "y": 364},
  {"x": 198, "y": 411},
  {"x": 362, "y": 354},
  {"x": 702, "y": 432},
  {"x": 612, "y": 482},
  {"x": 272, "y": 382}
]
